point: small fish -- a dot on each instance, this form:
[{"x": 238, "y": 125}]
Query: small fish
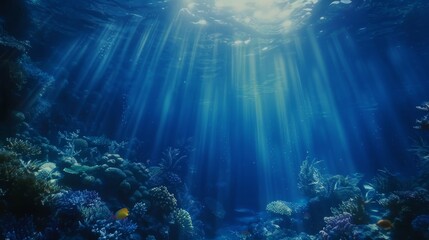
[
  {"x": 385, "y": 224},
  {"x": 122, "y": 213}
]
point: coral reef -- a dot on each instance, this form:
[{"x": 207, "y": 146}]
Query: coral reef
[
  {"x": 355, "y": 207},
  {"x": 78, "y": 208},
  {"x": 19, "y": 229},
  {"x": 96, "y": 177},
  {"x": 85, "y": 167},
  {"x": 139, "y": 212},
  {"x": 338, "y": 227},
  {"x": 370, "y": 231},
  {"x": 182, "y": 219},
  {"x": 279, "y": 208},
  {"x": 342, "y": 188},
  {"x": 23, "y": 192},
  {"x": 404, "y": 207},
  {"x": 386, "y": 182},
  {"x": 162, "y": 200},
  {"x": 21, "y": 147},
  {"x": 111, "y": 229},
  {"x": 169, "y": 169},
  {"x": 310, "y": 179}
]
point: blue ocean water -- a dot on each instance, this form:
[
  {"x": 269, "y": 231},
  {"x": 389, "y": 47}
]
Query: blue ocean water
[{"x": 316, "y": 106}]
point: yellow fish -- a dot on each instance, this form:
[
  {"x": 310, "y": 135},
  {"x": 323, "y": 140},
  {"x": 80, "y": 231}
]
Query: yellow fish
[{"x": 122, "y": 213}]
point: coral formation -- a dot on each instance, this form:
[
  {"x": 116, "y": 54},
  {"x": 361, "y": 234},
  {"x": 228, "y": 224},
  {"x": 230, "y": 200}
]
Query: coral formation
[
  {"x": 184, "y": 222},
  {"x": 23, "y": 192},
  {"x": 168, "y": 170},
  {"x": 111, "y": 229},
  {"x": 162, "y": 199},
  {"x": 19, "y": 229},
  {"x": 22, "y": 147},
  {"x": 310, "y": 179},
  {"x": 279, "y": 208},
  {"x": 78, "y": 208},
  {"x": 404, "y": 207},
  {"x": 385, "y": 182},
  {"x": 354, "y": 206},
  {"x": 338, "y": 227}
]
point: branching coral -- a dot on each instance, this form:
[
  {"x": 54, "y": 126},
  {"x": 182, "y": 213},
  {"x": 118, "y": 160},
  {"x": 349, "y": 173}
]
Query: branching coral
[
  {"x": 338, "y": 227},
  {"x": 74, "y": 207},
  {"x": 76, "y": 199},
  {"x": 71, "y": 139},
  {"x": 22, "y": 147},
  {"x": 111, "y": 229},
  {"x": 310, "y": 179},
  {"x": 356, "y": 207}
]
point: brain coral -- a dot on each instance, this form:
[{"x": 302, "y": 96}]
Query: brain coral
[{"x": 279, "y": 207}]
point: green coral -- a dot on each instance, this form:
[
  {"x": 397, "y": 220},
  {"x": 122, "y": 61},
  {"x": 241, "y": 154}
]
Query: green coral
[
  {"x": 279, "y": 208},
  {"x": 183, "y": 220}
]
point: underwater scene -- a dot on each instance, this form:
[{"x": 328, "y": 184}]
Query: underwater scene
[{"x": 214, "y": 119}]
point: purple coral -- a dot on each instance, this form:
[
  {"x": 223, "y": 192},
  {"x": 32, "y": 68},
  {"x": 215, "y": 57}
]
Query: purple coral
[{"x": 337, "y": 227}]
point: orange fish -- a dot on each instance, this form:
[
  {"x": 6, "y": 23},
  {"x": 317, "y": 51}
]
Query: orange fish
[
  {"x": 122, "y": 213},
  {"x": 385, "y": 224}
]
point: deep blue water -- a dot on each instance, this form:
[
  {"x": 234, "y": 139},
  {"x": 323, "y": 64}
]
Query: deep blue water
[{"x": 252, "y": 94}]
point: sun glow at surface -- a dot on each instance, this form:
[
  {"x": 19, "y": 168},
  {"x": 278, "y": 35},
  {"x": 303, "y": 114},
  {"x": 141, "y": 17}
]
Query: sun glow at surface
[{"x": 261, "y": 17}]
